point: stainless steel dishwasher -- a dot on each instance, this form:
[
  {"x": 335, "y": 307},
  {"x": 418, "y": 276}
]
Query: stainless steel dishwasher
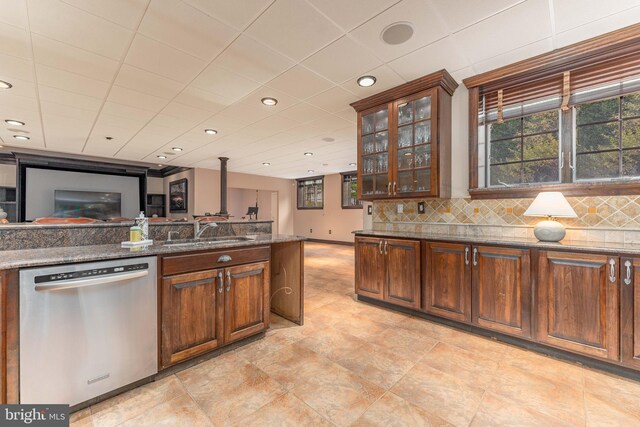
[{"x": 86, "y": 329}]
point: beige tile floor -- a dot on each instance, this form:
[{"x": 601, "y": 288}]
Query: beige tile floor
[{"x": 356, "y": 364}]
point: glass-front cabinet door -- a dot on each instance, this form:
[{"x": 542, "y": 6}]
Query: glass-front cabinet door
[
  {"x": 374, "y": 152},
  {"x": 415, "y": 144}
]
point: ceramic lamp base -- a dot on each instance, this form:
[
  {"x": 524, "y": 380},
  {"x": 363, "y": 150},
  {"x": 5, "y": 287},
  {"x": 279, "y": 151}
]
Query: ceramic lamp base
[{"x": 549, "y": 231}]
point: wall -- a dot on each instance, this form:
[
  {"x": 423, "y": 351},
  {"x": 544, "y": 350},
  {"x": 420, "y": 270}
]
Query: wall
[
  {"x": 7, "y": 175},
  {"x": 332, "y": 217},
  {"x": 155, "y": 185}
]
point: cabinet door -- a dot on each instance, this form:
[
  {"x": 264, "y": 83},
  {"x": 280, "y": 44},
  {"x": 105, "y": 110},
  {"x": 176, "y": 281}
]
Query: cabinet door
[
  {"x": 191, "y": 315},
  {"x": 370, "y": 267},
  {"x": 502, "y": 290},
  {"x": 403, "y": 272},
  {"x": 246, "y": 300},
  {"x": 447, "y": 280},
  {"x": 578, "y": 298},
  {"x": 630, "y": 312},
  {"x": 374, "y": 152}
]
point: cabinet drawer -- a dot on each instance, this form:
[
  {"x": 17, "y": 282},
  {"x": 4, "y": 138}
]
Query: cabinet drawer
[{"x": 214, "y": 259}]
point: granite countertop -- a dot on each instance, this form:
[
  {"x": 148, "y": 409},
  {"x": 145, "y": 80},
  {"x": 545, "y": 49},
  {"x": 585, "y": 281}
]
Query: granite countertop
[
  {"x": 65, "y": 255},
  {"x": 32, "y": 226},
  {"x": 610, "y": 248}
]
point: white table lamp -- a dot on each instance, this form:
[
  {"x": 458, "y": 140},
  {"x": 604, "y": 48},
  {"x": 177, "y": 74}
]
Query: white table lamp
[{"x": 550, "y": 204}]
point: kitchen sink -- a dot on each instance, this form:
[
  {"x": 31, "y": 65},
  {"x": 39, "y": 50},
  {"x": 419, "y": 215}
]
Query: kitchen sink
[{"x": 206, "y": 242}]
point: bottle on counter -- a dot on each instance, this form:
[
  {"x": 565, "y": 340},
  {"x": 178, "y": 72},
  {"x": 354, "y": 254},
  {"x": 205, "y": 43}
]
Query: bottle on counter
[
  {"x": 143, "y": 223},
  {"x": 135, "y": 234}
]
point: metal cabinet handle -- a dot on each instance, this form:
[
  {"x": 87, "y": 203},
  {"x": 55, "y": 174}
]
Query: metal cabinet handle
[
  {"x": 220, "y": 282},
  {"x": 627, "y": 280},
  {"x": 394, "y": 188},
  {"x": 380, "y": 247},
  {"x": 612, "y": 270},
  {"x": 389, "y": 188},
  {"x": 386, "y": 244},
  {"x": 466, "y": 255},
  {"x": 228, "y": 281},
  {"x": 475, "y": 256},
  {"x": 224, "y": 258}
]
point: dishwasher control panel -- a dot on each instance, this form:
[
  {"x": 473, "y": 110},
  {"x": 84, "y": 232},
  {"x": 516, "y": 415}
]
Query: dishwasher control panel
[{"x": 83, "y": 274}]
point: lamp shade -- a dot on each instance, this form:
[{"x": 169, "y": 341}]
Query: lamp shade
[{"x": 551, "y": 203}]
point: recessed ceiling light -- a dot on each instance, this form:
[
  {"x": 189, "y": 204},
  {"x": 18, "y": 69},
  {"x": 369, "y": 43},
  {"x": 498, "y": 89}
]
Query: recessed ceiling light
[
  {"x": 269, "y": 101},
  {"x": 14, "y": 122},
  {"x": 21, "y": 137},
  {"x": 210, "y": 131},
  {"x": 266, "y": 164},
  {"x": 311, "y": 171},
  {"x": 353, "y": 164},
  {"x": 366, "y": 81},
  {"x": 159, "y": 165},
  {"x": 162, "y": 157},
  {"x": 308, "y": 154},
  {"x": 5, "y": 85},
  {"x": 178, "y": 149},
  {"x": 397, "y": 33}
]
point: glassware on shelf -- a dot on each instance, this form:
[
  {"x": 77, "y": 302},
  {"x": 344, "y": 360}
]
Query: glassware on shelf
[
  {"x": 382, "y": 120},
  {"x": 405, "y": 113},
  {"x": 422, "y": 133},
  {"x": 423, "y": 108},
  {"x": 382, "y": 141},
  {"x": 382, "y": 163},
  {"x": 405, "y": 135},
  {"x": 367, "y": 124},
  {"x": 367, "y": 144}
]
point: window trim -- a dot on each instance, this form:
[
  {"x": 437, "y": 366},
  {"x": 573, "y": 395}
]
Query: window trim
[
  {"x": 342, "y": 175},
  {"x": 593, "y": 52},
  {"x": 311, "y": 178}
]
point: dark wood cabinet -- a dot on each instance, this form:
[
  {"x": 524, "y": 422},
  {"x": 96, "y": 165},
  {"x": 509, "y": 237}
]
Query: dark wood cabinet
[
  {"x": 246, "y": 300},
  {"x": 502, "y": 289},
  {"x": 192, "y": 307},
  {"x": 447, "y": 280},
  {"x": 630, "y": 312},
  {"x": 404, "y": 140},
  {"x": 388, "y": 270},
  {"x": 578, "y": 303}
]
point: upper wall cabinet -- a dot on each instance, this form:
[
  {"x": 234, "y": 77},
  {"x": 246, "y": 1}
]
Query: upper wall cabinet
[{"x": 404, "y": 140}]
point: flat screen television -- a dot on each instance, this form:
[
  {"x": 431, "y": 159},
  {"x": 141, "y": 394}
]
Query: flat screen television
[{"x": 87, "y": 204}]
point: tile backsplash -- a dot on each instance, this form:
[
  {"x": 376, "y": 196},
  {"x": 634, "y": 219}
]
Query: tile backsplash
[{"x": 606, "y": 219}]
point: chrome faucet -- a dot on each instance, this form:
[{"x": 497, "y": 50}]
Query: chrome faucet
[
  {"x": 198, "y": 231},
  {"x": 170, "y": 233}
]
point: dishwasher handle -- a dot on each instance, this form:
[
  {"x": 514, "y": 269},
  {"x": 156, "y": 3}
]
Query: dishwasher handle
[{"x": 81, "y": 283}]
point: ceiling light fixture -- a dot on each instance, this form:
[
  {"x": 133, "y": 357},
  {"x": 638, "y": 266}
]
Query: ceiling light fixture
[
  {"x": 159, "y": 165},
  {"x": 308, "y": 154},
  {"x": 269, "y": 101},
  {"x": 266, "y": 164},
  {"x": 14, "y": 122},
  {"x": 311, "y": 171},
  {"x": 366, "y": 81},
  {"x": 353, "y": 164},
  {"x": 5, "y": 85},
  {"x": 210, "y": 131},
  {"x": 397, "y": 33},
  {"x": 178, "y": 149},
  {"x": 162, "y": 157},
  {"x": 21, "y": 137}
]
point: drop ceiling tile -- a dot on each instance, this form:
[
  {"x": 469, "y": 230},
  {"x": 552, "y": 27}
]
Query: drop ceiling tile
[
  {"x": 62, "y": 108},
  {"x": 21, "y": 88},
  {"x": 67, "y": 24},
  {"x": 598, "y": 27},
  {"x": 254, "y": 99},
  {"x": 386, "y": 78},
  {"x": 89, "y": 104},
  {"x": 333, "y": 100},
  {"x": 426, "y": 29},
  {"x": 156, "y": 57},
  {"x": 515, "y": 55},
  {"x": 127, "y": 112},
  {"x": 303, "y": 113},
  {"x": 146, "y": 82},
  {"x": 98, "y": 146},
  {"x": 300, "y": 82},
  {"x": 224, "y": 82},
  {"x": 341, "y": 60},
  {"x": 14, "y": 67},
  {"x": 504, "y": 32},
  {"x": 183, "y": 27},
  {"x": 65, "y": 57},
  {"x": 251, "y": 59},
  {"x": 14, "y": 41},
  {"x": 202, "y": 99},
  {"x": 294, "y": 28},
  {"x": 574, "y": 13},
  {"x": 348, "y": 114},
  {"x": 186, "y": 113},
  {"x": 350, "y": 14},
  {"x": 229, "y": 12},
  {"x": 126, "y": 13},
  {"x": 444, "y": 53},
  {"x": 14, "y": 12},
  {"x": 459, "y": 14},
  {"x": 132, "y": 98},
  {"x": 65, "y": 80},
  {"x": 125, "y": 124}
]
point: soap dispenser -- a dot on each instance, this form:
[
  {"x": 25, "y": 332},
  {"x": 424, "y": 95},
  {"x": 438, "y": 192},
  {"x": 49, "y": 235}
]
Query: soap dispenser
[{"x": 143, "y": 223}]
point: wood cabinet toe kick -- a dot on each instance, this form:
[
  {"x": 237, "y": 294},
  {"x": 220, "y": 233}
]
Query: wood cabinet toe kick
[{"x": 583, "y": 303}]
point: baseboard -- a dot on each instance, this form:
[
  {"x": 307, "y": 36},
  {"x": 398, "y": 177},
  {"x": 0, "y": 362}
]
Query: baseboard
[{"x": 334, "y": 242}]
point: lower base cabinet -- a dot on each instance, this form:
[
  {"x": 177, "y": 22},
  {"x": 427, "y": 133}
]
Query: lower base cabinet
[
  {"x": 630, "y": 312},
  {"x": 204, "y": 310}
]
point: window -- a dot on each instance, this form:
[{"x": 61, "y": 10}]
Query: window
[
  {"x": 310, "y": 193},
  {"x": 350, "y": 191}
]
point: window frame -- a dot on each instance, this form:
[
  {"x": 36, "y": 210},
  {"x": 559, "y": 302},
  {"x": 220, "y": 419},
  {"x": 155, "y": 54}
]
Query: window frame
[
  {"x": 311, "y": 178},
  {"x": 592, "y": 54},
  {"x": 353, "y": 174}
]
